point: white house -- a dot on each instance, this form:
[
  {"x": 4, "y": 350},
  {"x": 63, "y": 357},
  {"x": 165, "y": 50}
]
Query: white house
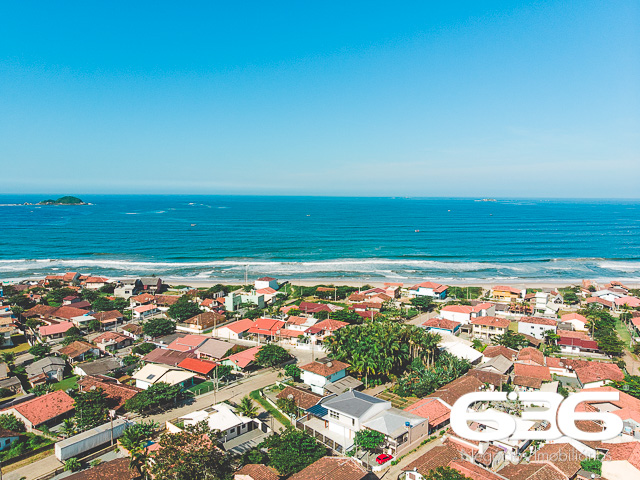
[
  {"x": 320, "y": 373},
  {"x": 82, "y": 321},
  {"x": 537, "y": 326},
  {"x": 464, "y": 313},
  {"x": 233, "y": 331},
  {"x": 429, "y": 289},
  {"x": 577, "y": 321},
  {"x": 607, "y": 295},
  {"x": 225, "y": 418},
  {"x": 151, "y": 374},
  {"x": 266, "y": 282},
  {"x": 143, "y": 311}
]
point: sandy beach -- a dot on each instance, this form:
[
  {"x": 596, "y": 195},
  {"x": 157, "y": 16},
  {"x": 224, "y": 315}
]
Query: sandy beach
[{"x": 339, "y": 281}]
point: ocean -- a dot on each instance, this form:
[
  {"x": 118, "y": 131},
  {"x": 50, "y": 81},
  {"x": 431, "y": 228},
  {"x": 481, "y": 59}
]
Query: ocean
[{"x": 211, "y": 238}]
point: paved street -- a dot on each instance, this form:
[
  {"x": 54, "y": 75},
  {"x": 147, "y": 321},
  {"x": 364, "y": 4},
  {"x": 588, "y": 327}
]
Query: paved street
[{"x": 234, "y": 393}]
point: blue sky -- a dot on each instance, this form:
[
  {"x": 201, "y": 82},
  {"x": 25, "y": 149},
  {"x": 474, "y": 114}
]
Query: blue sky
[{"x": 537, "y": 99}]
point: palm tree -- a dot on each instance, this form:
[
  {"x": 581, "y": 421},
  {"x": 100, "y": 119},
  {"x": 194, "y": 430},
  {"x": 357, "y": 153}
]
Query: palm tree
[
  {"x": 68, "y": 427},
  {"x": 247, "y": 408},
  {"x": 138, "y": 460},
  {"x": 9, "y": 358}
]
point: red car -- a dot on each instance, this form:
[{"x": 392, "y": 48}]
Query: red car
[{"x": 383, "y": 458}]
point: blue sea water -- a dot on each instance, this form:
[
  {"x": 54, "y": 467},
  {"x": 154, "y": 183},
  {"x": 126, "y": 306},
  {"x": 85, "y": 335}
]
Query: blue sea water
[{"x": 358, "y": 239}]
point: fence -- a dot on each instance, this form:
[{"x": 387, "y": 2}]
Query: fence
[{"x": 332, "y": 444}]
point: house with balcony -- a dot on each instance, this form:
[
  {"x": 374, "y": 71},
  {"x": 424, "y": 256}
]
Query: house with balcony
[
  {"x": 337, "y": 418},
  {"x": 488, "y": 327},
  {"x": 506, "y": 293}
]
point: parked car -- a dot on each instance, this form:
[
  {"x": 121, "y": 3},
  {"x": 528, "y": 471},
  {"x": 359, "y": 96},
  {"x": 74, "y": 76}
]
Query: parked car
[{"x": 383, "y": 458}]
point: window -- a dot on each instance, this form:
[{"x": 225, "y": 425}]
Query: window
[{"x": 333, "y": 414}]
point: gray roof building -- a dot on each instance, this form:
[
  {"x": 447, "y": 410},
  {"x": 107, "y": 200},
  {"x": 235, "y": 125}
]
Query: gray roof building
[
  {"x": 354, "y": 404},
  {"x": 498, "y": 364},
  {"x": 45, "y": 365},
  {"x": 214, "y": 348},
  {"x": 102, "y": 366},
  {"x": 393, "y": 422}
]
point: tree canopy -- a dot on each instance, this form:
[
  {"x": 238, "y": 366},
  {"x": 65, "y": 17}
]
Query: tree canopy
[
  {"x": 271, "y": 355},
  {"x": 189, "y": 455},
  {"x": 380, "y": 349},
  {"x": 157, "y": 395},
  {"x": 421, "y": 380},
  {"x": 91, "y": 409},
  {"x": 9, "y": 421},
  {"x": 183, "y": 309},
  {"x": 422, "y": 302},
  {"x": 158, "y": 327},
  {"x": 292, "y": 450},
  {"x": 40, "y": 350},
  {"x": 510, "y": 339}
]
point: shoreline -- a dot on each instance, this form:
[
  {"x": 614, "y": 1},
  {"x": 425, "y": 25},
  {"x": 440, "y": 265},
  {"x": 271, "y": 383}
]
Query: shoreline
[
  {"x": 559, "y": 283},
  {"x": 309, "y": 282}
]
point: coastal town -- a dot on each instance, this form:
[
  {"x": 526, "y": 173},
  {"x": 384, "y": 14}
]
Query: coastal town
[{"x": 138, "y": 378}]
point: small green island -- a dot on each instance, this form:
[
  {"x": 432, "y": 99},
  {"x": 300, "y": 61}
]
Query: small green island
[{"x": 66, "y": 200}]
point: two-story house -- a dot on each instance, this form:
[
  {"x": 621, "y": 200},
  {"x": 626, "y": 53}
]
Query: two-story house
[
  {"x": 537, "y": 326},
  {"x": 487, "y": 327},
  {"x": 320, "y": 373},
  {"x": 430, "y": 289}
]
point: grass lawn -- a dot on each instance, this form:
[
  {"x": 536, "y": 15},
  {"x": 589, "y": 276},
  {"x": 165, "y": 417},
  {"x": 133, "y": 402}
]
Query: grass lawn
[
  {"x": 269, "y": 408},
  {"x": 19, "y": 345},
  {"x": 201, "y": 388},
  {"x": 66, "y": 383},
  {"x": 396, "y": 400},
  {"x": 623, "y": 332},
  {"x": 513, "y": 326}
]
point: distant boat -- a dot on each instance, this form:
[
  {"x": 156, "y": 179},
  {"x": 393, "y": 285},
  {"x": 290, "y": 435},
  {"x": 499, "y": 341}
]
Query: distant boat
[
  {"x": 417, "y": 231},
  {"x": 193, "y": 224}
]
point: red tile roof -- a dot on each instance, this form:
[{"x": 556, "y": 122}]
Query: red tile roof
[
  {"x": 204, "y": 367},
  {"x": 54, "y": 329},
  {"x": 257, "y": 471},
  {"x": 303, "y": 398},
  {"x": 474, "y": 472},
  {"x": 506, "y": 288},
  {"x": 491, "y": 322},
  {"x": 573, "y": 316},
  {"x": 441, "y": 323},
  {"x": 530, "y": 354},
  {"x": 46, "y": 407},
  {"x": 110, "y": 337},
  {"x": 458, "y": 309},
  {"x": 325, "y": 369},
  {"x": 117, "y": 393},
  {"x": 187, "y": 343},
  {"x": 240, "y": 326},
  {"x": 244, "y": 358},
  {"x": 532, "y": 371},
  {"x": 432, "y": 409},
  {"x": 539, "y": 321},
  {"x": 599, "y": 300},
  {"x": 330, "y": 325},
  {"x": 108, "y": 317},
  {"x": 495, "y": 350},
  {"x": 436, "y": 287},
  {"x": 332, "y": 468},
  {"x": 598, "y": 372},
  {"x": 309, "y": 307},
  {"x": 75, "y": 349}
]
